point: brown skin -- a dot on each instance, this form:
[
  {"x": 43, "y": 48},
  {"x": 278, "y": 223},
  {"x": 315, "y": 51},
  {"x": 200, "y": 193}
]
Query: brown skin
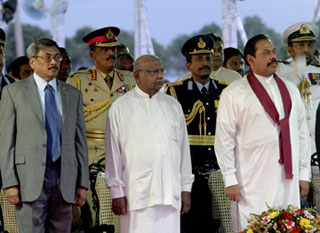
[
  {"x": 119, "y": 205},
  {"x": 262, "y": 63},
  {"x": 218, "y": 55},
  {"x": 200, "y": 67},
  {"x": 186, "y": 202},
  {"x": 233, "y": 193},
  {"x": 146, "y": 81},
  {"x": 13, "y": 195},
  {"x": 150, "y": 84},
  {"x": 235, "y": 63},
  {"x": 65, "y": 67},
  {"x": 80, "y": 197},
  {"x": 125, "y": 64},
  {"x": 306, "y": 48},
  {"x": 104, "y": 58},
  {"x": 25, "y": 71},
  {"x": 46, "y": 70}
]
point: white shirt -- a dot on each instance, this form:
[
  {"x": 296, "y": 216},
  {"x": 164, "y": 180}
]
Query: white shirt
[
  {"x": 200, "y": 86},
  {"x": 41, "y": 85},
  {"x": 226, "y": 75},
  {"x": 147, "y": 150},
  {"x": 247, "y": 149}
]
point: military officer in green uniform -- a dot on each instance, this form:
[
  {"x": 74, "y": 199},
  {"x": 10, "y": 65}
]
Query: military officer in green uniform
[
  {"x": 199, "y": 97},
  {"x": 100, "y": 86}
]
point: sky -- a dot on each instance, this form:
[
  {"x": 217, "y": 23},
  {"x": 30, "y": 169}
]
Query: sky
[{"x": 168, "y": 19}]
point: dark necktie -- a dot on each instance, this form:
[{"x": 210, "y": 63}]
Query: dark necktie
[
  {"x": 204, "y": 93},
  {"x": 52, "y": 124},
  {"x": 109, "y": 81}
]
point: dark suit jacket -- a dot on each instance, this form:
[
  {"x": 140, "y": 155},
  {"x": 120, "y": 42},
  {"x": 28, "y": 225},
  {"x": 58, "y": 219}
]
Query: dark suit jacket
[
  {"x": 3, "y": 83},
  {"x": 23, "y": 140}
]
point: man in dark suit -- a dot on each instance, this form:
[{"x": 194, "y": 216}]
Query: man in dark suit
[
  {"x": 4, "y": 80},
  {"x": 199, "y": 96},
  {"x": 43, "y": 157}
]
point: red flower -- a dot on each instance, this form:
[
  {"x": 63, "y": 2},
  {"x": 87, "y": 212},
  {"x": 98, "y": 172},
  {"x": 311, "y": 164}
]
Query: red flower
[
  {"x": 89, "y": 84},
  {"x": 286, "y": 215}
]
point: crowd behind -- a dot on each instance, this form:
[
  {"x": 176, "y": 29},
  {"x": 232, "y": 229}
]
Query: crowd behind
[{"x": 247, "y": 114}]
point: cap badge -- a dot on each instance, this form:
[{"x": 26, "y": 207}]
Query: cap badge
[
  {"x": 201, "y": 43},
  {"x": 304, "y": 29},
  {"x": 109, "y": 35}
]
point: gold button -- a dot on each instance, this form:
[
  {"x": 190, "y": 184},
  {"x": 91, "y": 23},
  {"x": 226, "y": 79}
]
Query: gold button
[
  {"x": 208, "y": 118},
  {"x": 209, "y": 133},
  {"x": 189, "y": 110},
  {"x": 209, "y": 149},
  {"x": 207, "y": 103}
]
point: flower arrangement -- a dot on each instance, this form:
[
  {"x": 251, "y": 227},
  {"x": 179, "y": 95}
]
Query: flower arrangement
[{"x": 278, "y": 220}]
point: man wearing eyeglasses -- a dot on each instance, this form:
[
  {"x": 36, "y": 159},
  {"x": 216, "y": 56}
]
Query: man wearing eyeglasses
[
  {"x": 43, "y": 157},
  {"x": 199, "y": 97},
  {"x": 148, "y": 164}
]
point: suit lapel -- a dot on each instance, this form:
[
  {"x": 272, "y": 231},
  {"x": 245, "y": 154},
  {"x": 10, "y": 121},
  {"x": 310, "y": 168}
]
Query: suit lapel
[
  {"x": 64, "y": 100},
  {"x": 64, "y": 96},
  {"x": 31, "y": 92}
]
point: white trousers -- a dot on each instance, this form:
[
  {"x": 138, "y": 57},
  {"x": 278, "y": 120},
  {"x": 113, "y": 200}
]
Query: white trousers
[{"x": 155, "y": 219}]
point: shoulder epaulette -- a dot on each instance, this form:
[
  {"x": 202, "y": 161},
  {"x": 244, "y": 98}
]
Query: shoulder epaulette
[
  {"x": 86, "y": 71},
  {"x": 178, "y": 83},
  {"x": 221, "y": 82},
  {"x": 316, "y": 65}
]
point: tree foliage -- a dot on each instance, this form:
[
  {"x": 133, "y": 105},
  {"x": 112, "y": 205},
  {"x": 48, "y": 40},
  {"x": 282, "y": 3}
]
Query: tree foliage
[
  {"x": 170, "y": 55},
  {"x": 30, "y": 33}
]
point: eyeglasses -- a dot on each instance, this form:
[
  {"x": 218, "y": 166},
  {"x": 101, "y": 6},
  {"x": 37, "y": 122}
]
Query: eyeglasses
[
  {"x": 48, "y": 58},
  {"x": 155, "y": 72}
]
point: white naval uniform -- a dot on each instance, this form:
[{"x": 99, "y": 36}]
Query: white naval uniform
[
  {"x": 290, "y": 73},
  {"x": 247, "y": 149},
  {"x": 147, "y": 153}
]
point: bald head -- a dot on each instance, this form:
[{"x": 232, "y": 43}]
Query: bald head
[
  {"x": 143, "y": 61},
  {"x": 148, "y": 72}
]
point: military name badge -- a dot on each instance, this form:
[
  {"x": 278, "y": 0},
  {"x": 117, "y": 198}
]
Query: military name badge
[{"x": 314, "y": 78}]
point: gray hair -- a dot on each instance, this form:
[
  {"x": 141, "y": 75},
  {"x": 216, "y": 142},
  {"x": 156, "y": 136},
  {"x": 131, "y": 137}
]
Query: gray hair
[
  {"x": 140, "y": 61},
  {"x": 34, "y": 48}
]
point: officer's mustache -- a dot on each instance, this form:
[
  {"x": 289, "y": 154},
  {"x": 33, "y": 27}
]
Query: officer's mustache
[
  {"x": 272, "y": 61},
  {"x": 205, "y": 67},
  {"x": 53, "y": 67},
  {"x": 113, "y": 57}
]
